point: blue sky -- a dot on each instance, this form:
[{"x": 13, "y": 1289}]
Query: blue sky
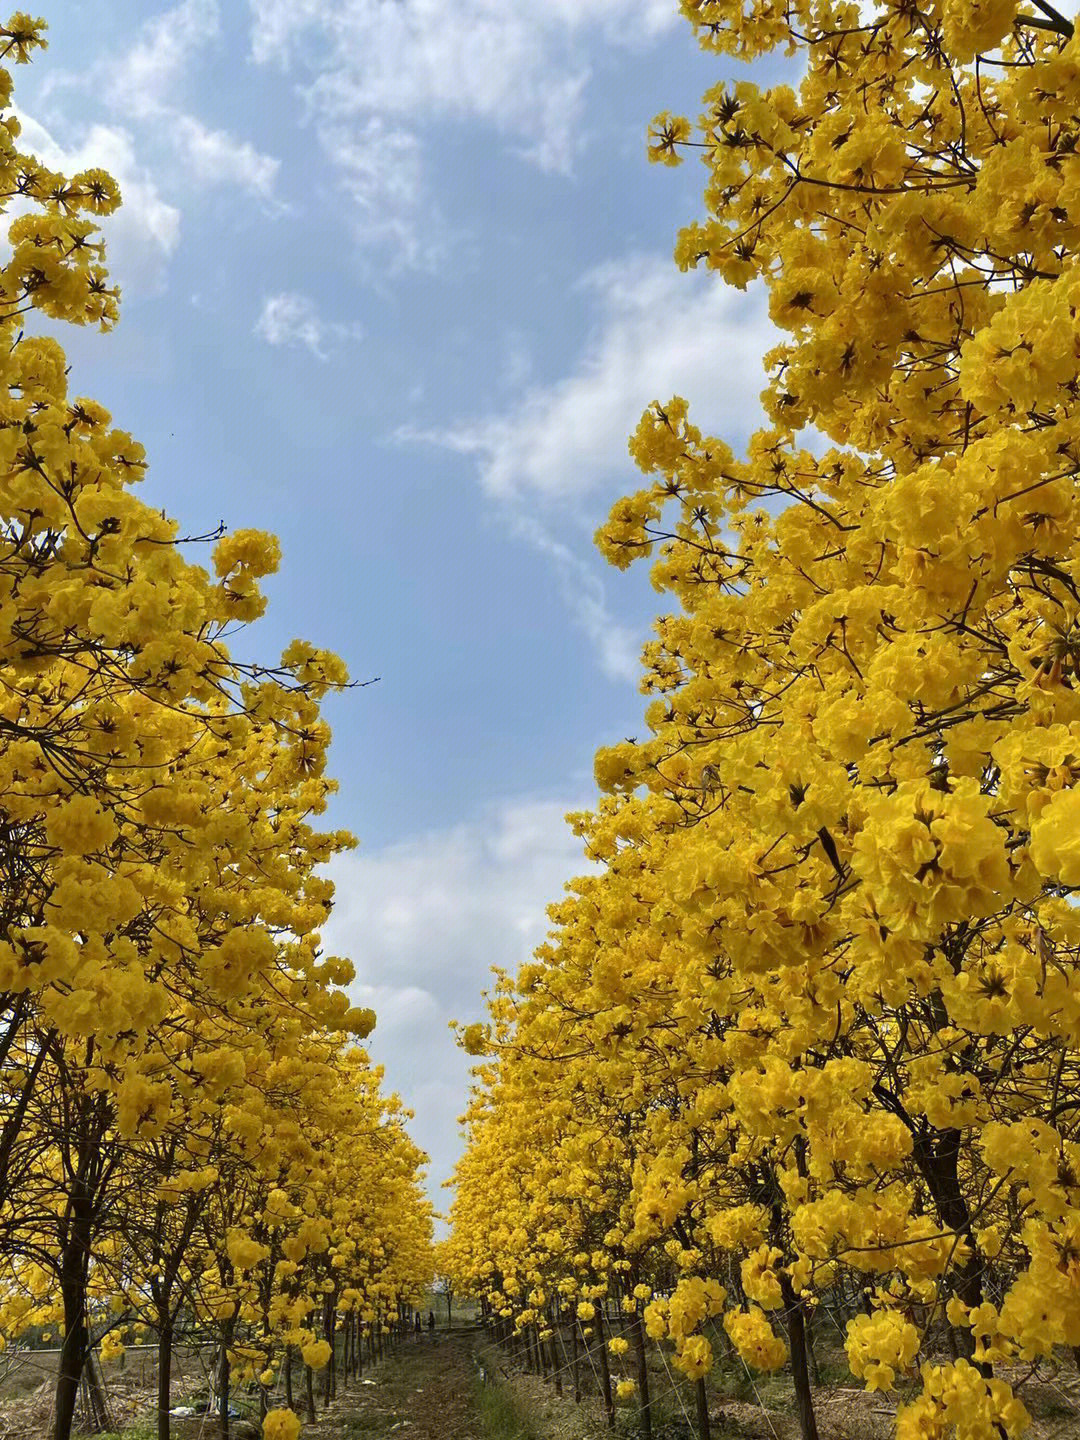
[{"x": 397, "y": 286}]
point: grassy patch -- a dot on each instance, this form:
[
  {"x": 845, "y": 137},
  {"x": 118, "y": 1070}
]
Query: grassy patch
[
  {"x": 141, "y": 1430},
  {"x": 499, "y": 1415}
]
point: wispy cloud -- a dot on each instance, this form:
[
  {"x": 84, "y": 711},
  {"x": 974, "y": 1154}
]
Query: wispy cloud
[
  {"x": 290, "y": 318},
  {"x": 378, "y": 74},
  {"x": 617, "y": 646},
  {"x": 568, "y": 439},
  {"x": 145, "y": 86},
  {"x": 562, "y": 446},
  {"x": 483, "y": 888},
  {"x": 379, "y": 165},
  {"x": 140, "y": 80},
  {"x": 215, "y": 157}
]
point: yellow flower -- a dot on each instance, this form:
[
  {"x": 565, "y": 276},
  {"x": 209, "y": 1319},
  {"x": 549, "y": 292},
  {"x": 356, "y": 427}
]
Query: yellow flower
[
  {"x": 281, "y": 1425},
  {"x": 316, "y": 1353}
]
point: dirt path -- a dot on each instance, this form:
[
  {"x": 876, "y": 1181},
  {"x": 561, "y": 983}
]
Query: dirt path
[{"x": 426, "y": 1391}]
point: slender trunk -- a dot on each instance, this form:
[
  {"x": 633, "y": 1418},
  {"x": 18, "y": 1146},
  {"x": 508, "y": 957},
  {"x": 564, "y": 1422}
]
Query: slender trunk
[
  {"x": 164, "y": 1376},
  {"x": 574, "y": 1359},
  {"x": 796, "y": 1328},
  {"x": 702, "y": 1396},
  {"x": 558, "y": 1358},
  {"x": 811, "y": 1345},
  {"x": 331, "y": 1367},
  {"x": 99, "y": 1407},
  {"x": 288, "y": 1377},
  {"x": 638, "y": 1332},
  {"x": 73, "y": 1268},
  {"x": 938, "y": 1159},
  {"x": 309, "y": 1384},
  {"x": 605, "y": 1371},
  {"x": 223, "y": 1383}
]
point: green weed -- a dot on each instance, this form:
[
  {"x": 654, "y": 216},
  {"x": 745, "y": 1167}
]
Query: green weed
[{"x": 500, "y": 1418}]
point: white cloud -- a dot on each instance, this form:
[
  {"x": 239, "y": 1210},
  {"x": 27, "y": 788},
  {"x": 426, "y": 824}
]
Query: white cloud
[
  {"x": 659, "y": 333},
  {"x": 140, "y": 80},
  {"x": 424, "y": 920},
  {"x": 289, "y": 318},
  {"x": 145, "y": 84},
  {"x": 145, "y": 231},
  {"x": 618, "y": 647},
  {"x": 218, "y": 158},
  {"x": 384, "y": 69},
  {"x": 379, "y": 165}
]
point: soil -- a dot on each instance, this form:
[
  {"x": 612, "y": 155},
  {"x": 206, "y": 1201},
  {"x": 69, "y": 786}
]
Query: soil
[
  {"x": 424, "y": 1391},
  {"x": 440, "y": 1386}
]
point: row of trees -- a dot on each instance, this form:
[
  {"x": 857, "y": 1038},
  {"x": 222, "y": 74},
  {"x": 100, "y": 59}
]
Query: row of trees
[
  {"x": 189, "y": 1136},
  {"x": 809, "y": 1039}
]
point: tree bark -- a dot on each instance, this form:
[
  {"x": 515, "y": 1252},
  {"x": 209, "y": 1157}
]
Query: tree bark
[
  {"x": 701, "y": 1394},
  {"x": 800, "y": 1369},
  {"x": 605, "y": 1371},
  {"x": 223, "y": 1384},
  {"x": 638, "y": 1332},
  {"x": 329, "y": 1386},
  {"x": 938, "y": 1159},
  {"x": 164, "y": 1378},
  {"x": 73, "y": 1271}
]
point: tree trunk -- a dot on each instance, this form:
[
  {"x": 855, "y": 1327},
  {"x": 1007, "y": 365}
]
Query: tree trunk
[
  {"x": 329, "y": 1387},
  {"x": 605, "y": 1371},
  {"x": 938, "y": 1159},
  {"x": 796, "y": 1328},
  {"x": 288, "y": 1377},
  {"x": 309, "y": 1383},
  {"x": 99, "y": 1406},
  {"x": 638, "y": 1332},
  {"x": 701, "y": 1394},
  {"x": 811, "y": 1346},
  {"x": 574, "y": 1359},
  {"x": 164, "y": 1377},
  {"x": 73, "y": 1269},
  {"x": 223, "y": 1385}
]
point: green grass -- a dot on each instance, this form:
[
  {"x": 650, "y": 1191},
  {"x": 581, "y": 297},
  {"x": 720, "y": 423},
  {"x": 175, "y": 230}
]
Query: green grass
[
  {"x": 500, "y": 1418},
  {"x": 141, "y": 1430}
]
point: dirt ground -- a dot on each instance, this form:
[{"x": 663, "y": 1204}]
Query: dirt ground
[
  {"x": 424, "y": 1391},
  {"x": 458, "y": 1385}
]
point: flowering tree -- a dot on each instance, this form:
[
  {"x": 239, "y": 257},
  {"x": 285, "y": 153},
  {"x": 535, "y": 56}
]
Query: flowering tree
[
  {"x": 835, "y": 937},
  {"x": 171, "y": 1033}
]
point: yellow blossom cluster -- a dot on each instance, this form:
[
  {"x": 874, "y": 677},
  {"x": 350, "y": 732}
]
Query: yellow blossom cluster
[
  {"x": 811, "y": 1030},
  {"x": 188, "y": 1134}
]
